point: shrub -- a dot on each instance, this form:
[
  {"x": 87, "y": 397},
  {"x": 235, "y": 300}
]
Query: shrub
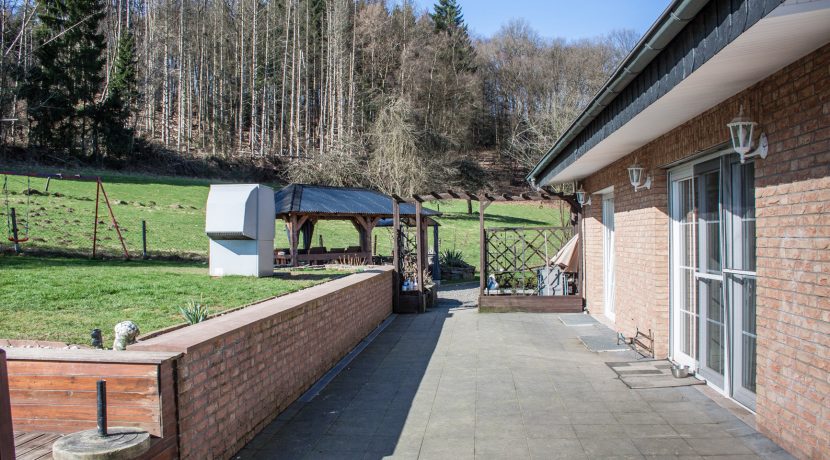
[
  {"x": 452, "y": 258},
  {"x": 194, "y": 312}
]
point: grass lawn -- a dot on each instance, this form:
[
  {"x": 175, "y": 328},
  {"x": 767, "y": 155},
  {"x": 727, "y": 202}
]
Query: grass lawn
[
  {"x": 63, "y": 299},
  {"x": 63, "y": 219}
]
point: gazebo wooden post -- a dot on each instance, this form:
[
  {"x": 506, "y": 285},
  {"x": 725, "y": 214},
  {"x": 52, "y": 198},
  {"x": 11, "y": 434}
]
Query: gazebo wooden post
[
  {"x": 360, "y": 225},
  {"x": 365, "y": 226},
  {"x": 396, "y": 255},
  {"x": 371, "y": 223},
  {"x": 419, "y": 243},
  {"x": 294, "y": 231},
  {"x": 424, "y": 244},
  {"x": 436, "y": 262},
  {"x": 482, "y": 259}
]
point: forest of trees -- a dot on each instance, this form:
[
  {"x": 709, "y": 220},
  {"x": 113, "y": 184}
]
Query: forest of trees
[{"x": 345, "y": 92}]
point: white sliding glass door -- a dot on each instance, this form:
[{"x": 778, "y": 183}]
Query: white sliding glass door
[{"x": 713, "y": 273}]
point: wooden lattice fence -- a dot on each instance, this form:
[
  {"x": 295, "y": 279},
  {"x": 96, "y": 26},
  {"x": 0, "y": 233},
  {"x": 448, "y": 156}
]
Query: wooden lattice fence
[
  {"x": 408, "y": 247},
  {"x": 514, "y": 255}
]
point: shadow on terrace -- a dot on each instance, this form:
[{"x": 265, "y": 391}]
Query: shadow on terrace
[{"x": 367, "y": 406}]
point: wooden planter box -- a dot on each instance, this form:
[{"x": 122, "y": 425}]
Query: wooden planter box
[
  {"x": 411, "y": 302},
  {"x": 530, "y": 303}
]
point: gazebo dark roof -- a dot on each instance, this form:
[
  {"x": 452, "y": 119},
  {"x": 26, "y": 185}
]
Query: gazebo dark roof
[{"x": 320, "y": 199}]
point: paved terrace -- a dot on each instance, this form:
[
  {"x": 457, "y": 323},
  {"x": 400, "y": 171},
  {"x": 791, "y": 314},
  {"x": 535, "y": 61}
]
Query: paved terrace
[{"x": 456, "y": 384}]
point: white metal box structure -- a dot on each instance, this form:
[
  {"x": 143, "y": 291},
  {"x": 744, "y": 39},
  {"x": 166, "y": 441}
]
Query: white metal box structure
[{"x": 240, "y": 225}]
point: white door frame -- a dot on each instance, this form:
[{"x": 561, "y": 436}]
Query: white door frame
[
  {"x": 676, "y": 271},
  {"x": 609, "y": 278}
]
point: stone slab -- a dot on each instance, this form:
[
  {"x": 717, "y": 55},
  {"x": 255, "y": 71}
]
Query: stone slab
[{"x": 120, "y": 443}]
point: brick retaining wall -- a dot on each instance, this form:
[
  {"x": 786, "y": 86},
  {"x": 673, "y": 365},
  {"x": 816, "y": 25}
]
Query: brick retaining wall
[{"x": 239, "y": 371}]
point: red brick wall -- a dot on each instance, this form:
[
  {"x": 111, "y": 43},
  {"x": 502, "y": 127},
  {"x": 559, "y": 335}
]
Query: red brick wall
[
  {"x": 793, "y": 212},
  {"x": 239, "y": 371},
  {"x": 793, "y": 231},
  {"x": 641, "y": 252}
]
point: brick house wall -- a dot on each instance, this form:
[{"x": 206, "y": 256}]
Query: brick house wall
[
  {"x": 793, "y": 245},
  {"x": 240, "y": 370}
]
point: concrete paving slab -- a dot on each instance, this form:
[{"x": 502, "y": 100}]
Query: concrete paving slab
[
  {"x": 718, "y": 446},
  {"x": 610, "y": 447},
  {"x": 577, "y": 319},
  {"x": 556, "y": 448},
  {"x": 453, "y": 384},
  {"x": 501, "y": 448}
]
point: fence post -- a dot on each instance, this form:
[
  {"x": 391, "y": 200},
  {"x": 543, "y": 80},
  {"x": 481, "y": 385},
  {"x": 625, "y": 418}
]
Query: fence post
[
  {"x": 6, "y": 429},
  {"x": 14, "y": 231},
  {"x": 143, "y": 239}
]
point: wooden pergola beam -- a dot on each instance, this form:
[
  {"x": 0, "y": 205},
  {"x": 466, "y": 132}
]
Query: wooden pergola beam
[{"x": 485, "y": 196}]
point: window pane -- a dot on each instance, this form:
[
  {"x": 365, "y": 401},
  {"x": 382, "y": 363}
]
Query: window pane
[
  {"x": 748, "y": 320},
  {"x": 748, "y": 370},
  {"x": 687, "y": 201},
  {"x": 714, "y": 347},
  {"x": 712, "y": 255},
  {"x": 710, "y": 294},
  {"x": 709, "y": 219},
  {"x": 689, "y": 251},
  {"x": 748, "y": 216}
]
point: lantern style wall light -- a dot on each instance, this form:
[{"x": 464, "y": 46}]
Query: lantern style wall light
[
  {"x": 582, "y": 197},
  {"x": 741, "y": 130},
  {"x": 638, "y": 178}
]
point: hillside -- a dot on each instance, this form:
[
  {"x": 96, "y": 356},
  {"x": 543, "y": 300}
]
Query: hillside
[{"x": 61, "y": 219}]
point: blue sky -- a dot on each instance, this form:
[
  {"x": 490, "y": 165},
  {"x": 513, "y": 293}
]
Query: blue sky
[{"x": 572, "y": 19}]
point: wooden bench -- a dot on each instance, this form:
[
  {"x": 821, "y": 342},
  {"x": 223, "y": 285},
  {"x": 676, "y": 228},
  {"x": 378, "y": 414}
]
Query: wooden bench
[{"x": 318, "y": 256}]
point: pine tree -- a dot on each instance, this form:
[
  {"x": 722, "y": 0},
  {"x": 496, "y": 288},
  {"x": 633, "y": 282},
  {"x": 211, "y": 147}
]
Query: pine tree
[
  {"x": 67, "y": 75},
  {"x": 121, "y": 100},
  {"x": 448, "y": 18},
  {"x": 450, "y": 82}
]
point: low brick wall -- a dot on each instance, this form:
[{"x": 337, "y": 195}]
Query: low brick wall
[{"x": 239, "y": 371}]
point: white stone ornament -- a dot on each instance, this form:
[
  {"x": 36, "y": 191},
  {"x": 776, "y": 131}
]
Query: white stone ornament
[{"x": 125, "y": 334}]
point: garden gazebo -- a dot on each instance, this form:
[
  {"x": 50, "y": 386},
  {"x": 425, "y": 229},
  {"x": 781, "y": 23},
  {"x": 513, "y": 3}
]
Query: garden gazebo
[{"x": 301, "y": 206}]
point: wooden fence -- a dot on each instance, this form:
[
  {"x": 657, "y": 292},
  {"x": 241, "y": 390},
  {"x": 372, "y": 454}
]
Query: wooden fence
[
  {"x": 54, "y": 391},
  {"x": 6, "y": 429}
]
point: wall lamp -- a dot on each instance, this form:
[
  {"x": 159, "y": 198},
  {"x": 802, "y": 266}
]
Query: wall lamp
[
  {"x": 638, "y": 178},
  {"x": 582, "y": 197},
  {"x": 741, "y": 130}
]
